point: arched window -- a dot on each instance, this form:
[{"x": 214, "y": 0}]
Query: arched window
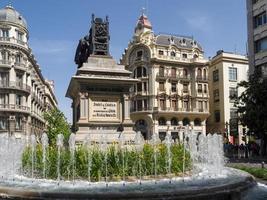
[
  {"x": 18, "y": 58},
  {"x": 199, "y": 73},
  {"x": 186, "y": 121},
  {"x": 162, "y": 121},
  {"x": 173, "y": 54},
  {"x": 139, "y": 72},
  {"x": 197, "y": 122},
  {"x": 174, "y": 121}
]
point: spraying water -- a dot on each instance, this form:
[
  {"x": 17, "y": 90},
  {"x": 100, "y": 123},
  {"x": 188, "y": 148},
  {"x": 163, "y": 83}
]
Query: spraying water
[
  {"x": 33, "y": 152},
  {"x": 139, "y": 144},
  {"x": 72, "y": 154},
  {"x": 44, "y": 141},
  {"x": 60, "y": 138}
]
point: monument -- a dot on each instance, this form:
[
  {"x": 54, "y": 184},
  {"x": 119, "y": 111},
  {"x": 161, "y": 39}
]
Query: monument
[{"x": 100, "y": 88}]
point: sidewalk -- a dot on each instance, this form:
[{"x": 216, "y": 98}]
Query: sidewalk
[{"x": 249, "y": 162}]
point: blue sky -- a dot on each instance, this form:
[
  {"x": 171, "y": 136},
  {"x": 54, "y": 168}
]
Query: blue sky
[{"x": 55, "y": 26}]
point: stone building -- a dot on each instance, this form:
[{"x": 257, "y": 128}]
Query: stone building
[
  {"x": 173, "y": 89},
  {"x": 257, "y": 35},
  {"x": 24, "y": 93},
  {"x": 226, "y": 70}
]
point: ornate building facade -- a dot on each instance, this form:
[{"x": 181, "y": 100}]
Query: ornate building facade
[
  {"x": 173, "y": 88},
  {"x": 24, "y": 93}
]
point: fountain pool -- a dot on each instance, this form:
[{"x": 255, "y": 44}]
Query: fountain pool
[{"x": 207, "y": 179}]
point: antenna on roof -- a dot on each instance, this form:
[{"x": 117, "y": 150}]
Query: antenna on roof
[{"x": 143, "y": 11}]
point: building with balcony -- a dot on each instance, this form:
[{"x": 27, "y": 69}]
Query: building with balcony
[
  {"x": 24, "y": 93},
  {"x": 226, "y": 70},
  {"x": 173, "y": 89},
  {"x": 257, "y": 35}
]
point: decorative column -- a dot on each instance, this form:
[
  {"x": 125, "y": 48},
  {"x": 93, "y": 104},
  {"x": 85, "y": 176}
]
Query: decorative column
[{"x": 126, "y": 111}]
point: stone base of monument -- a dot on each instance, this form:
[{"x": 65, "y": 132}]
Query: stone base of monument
[
  {"x": 232, "y": 187},
  {"x": 100, "y": 91}
]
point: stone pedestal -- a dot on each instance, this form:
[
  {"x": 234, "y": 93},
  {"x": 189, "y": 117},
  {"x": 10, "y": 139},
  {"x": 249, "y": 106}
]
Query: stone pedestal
[{"x": 100, "y": 94}]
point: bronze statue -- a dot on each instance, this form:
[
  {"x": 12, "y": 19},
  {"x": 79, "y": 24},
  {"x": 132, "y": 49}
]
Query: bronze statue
[{"x": 96, "y": 43}]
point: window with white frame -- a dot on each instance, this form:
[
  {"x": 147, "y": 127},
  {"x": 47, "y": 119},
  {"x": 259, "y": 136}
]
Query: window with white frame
[{"x": 232, "y": 74}]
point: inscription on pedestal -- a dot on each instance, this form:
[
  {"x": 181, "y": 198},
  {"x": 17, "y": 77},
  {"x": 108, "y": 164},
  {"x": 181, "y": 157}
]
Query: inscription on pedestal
[{"x": 104, "y": 109}]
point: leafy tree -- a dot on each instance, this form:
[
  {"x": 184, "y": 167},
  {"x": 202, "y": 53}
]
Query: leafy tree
[
  {"x": 56, "y": 124},
  {"x": 252, "y": 106}
]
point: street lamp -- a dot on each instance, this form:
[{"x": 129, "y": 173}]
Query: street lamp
[{"x": 226, "y": 129}]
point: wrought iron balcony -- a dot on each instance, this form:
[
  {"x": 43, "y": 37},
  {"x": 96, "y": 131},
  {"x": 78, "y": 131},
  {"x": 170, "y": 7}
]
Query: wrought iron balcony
[
  {"x": 15, "y": 85},
  {"x": 14, "y": 107}
]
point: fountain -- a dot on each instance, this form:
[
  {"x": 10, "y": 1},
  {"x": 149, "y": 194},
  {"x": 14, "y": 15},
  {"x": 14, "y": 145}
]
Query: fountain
[{"x": 206, "y": 179}]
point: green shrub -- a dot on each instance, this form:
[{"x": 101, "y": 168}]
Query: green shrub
[{"x": 120, "y": 162}]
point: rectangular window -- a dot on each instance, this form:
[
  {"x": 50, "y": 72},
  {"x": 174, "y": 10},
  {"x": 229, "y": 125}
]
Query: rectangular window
[
  {"x": 205, "y": 89},
  {"x": 174, "y": 104},
  {"x": 161, "y": 86},
  {"x": 232, "y": 74},
  {"x": 186, "y": 105},
  {"x": 161, "y": 71},
  {"x": 199, "y": 88},
  {"x": 139, "y": 87},
  {"x": 215, "y": 75},
  {"x": 185, "y": 88},
  {"x": 145, "y": 86},
  {"x": 4, "y": 98},
  {"x": 217, "y": 116},
  {"x": 173, "y": 87},
  {"x": 161, "y": 52},
  {"x": 139, "y": 105},
  {"x": 261, "y": 45},
  {"x": 216, "y": 95},
  {"x": 233, "y": 93},
  {"x": 4, "y": 79},
  {"x": 19, "y": 80},
  {"x": 184, "y": 55},
  {"x": 5, "y": 33},
  {"x": 19, "y": 36},
  {"x": 145, "y": 104},
  {"x": 18, "y": 100},
  {"x": 162, "y": 104},
  {"x": 18, "y": 123},
  {"x": 233, "y": 114},
  {"x": 173, "y": 72},
  {"x": 3, "y": 123},
  {"x": 260, "y": 19},
  {"x": 200, "y": 106}
]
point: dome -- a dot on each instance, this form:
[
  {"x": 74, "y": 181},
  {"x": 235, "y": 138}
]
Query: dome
[
  {"x": 9, "y": 14},
  {"x": 144, "y": 21}
]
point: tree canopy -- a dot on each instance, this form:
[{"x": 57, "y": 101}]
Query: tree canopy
[
  {"x": 56, "y": 124},
  {"x": 252, "y": 104}
]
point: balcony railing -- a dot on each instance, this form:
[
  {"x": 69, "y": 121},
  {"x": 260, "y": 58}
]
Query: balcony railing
[
  {"x": 143, "y": 109},
  {"x": 19, "y": 64},
  {"x": 174, "y": 109},
  {"x": 162, "y": 76},
  {"x": 5, "y": 62},
  {"x": 201, "y": 79},
  {"x": 13, "y": 40},
  {"x": 14, "y": 107},
  {"x": 15, "y": 85}
]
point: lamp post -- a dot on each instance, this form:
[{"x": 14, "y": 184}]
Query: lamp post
[{"x": 226, "y": 130}]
